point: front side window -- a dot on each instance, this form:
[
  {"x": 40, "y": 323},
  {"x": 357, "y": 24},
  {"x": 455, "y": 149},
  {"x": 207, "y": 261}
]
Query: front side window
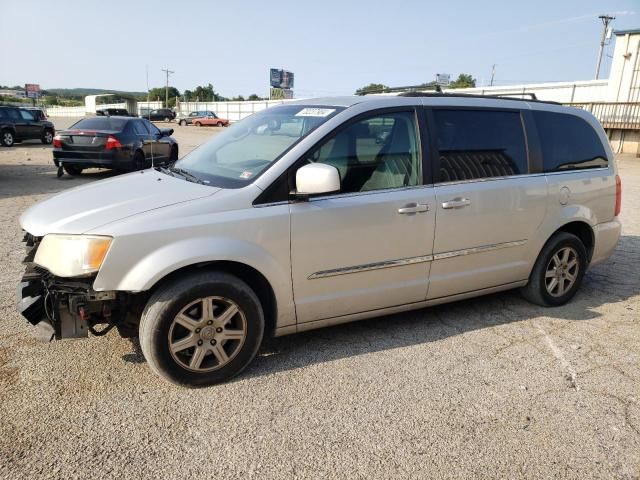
[
  {"x": 375, "y": 153},
  {"x": 568, "y": 143},
  {"x": 238, "y": 155},
  {"x": 26, "y": 115},
  {"x": 476, "y": 144}
]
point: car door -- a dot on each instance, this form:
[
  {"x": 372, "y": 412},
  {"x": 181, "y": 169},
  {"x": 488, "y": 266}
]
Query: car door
[
  {"x": 20, "y": 124},
  {"x": 143, "y": 136},
  {"x": 487, "y": 206},
  {"x": 160, "y": 145},
  {"x": 367, "y": 247}
]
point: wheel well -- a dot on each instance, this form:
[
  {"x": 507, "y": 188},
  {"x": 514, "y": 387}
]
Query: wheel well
[
  {"x": 252, "y": 277},
  {"x": 583, "y": 231}
]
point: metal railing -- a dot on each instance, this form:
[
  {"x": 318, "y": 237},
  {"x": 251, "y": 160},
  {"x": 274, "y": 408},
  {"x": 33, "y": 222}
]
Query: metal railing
[{"x": 619, "y": 115}]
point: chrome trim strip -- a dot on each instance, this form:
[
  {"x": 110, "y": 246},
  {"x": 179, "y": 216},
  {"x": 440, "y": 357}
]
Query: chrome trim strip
[
  {"x": 412, "y": 260},
  {"x": 370, "y": 266},
  {"x": 482, "y": 249}
]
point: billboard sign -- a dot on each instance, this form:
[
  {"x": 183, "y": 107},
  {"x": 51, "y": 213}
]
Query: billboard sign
[
  {"x": 280, "y": 78},
  {"x": 32, "y": 90},
  {"x": 443, "y": 79}
]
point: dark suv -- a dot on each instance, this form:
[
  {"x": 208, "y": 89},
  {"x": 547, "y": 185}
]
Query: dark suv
[
  {"x": 17, "y": 124},
  {"x": 160, "y": 114}
]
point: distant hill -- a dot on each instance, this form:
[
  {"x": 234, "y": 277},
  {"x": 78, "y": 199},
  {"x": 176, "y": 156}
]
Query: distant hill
[{"x": 81, "y": 92}]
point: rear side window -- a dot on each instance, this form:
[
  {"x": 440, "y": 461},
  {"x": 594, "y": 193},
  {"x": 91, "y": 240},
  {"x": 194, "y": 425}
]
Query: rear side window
[
  {"x": 2, "y": 113},
  {"x": 101, "y": 123},
  {"x": 475, "y": 144},
  {"x": 13, "y": 114},
  {"x": 139, "y": 128},
  {"x": 568, "y": 143}
]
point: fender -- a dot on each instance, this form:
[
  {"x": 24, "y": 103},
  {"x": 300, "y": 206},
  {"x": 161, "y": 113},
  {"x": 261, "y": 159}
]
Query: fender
[{"x": 147, "y": 270}]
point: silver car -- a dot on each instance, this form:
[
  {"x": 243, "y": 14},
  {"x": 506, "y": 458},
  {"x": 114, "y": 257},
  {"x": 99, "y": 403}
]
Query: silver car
[{"x": 320, "y": 212}]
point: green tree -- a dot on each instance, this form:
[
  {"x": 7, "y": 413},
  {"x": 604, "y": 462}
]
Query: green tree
[
  {"x": 159, "y": 92},
  {"x": 372, "y": 87},
  {"x": 464, "y": 80},
  {"x": 254, "y": 97}
]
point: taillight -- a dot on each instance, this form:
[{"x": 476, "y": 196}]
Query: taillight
[
  {"x": 618, "y": 195},
  {"x": 57, "y": 142},
  {"x": 112, "y": 142}
]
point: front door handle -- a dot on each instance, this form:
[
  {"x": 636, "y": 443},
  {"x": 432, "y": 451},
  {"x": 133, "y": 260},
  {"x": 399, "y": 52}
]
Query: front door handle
[
  {"x": 456, "y": 203},
  {"x": 413, "y": 208}
]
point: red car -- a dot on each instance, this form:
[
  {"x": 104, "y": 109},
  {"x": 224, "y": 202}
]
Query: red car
[{"x": 210, "y": 119}]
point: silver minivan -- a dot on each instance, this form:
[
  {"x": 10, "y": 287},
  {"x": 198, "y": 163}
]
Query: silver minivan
[{"x": 319, "y": 212}]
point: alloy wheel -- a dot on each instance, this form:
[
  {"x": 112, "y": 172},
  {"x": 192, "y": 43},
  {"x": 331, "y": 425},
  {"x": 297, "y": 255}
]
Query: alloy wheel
[
  {"x": 562, "y": 271},
  {"x": 207, "y": 334}
]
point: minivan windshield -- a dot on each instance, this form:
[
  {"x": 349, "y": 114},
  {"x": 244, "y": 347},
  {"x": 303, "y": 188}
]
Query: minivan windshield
[{"x": 240, "y": 153}]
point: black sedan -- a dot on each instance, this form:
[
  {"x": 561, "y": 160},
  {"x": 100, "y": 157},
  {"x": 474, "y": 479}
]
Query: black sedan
[{"x": 118, "y": 143}]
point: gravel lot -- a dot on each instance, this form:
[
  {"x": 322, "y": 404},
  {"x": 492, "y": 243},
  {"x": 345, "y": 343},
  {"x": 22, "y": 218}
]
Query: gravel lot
[{"x": 491, "y": 387}]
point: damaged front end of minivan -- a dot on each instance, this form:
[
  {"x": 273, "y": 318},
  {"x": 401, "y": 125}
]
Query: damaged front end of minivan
[{"x": 65, "y": 308}]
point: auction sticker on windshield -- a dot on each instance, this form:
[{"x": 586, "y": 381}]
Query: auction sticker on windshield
[{"x": 315, "y": 112}]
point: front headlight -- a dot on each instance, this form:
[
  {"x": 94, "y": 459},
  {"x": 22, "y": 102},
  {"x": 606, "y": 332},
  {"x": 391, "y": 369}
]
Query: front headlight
[{"x": 72, "y": 255}]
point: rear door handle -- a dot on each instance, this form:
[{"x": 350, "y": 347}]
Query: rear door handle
[
  {"x": 456, "y": 203},
  {"x": 413, "y": 208}
]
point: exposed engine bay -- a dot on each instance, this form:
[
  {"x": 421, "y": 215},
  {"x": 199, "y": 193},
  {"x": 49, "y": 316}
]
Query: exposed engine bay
[{"x": 69, "y": 307}]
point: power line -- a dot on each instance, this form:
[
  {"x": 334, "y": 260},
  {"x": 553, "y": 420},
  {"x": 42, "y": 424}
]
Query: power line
[{"x": 606, "y": 19}]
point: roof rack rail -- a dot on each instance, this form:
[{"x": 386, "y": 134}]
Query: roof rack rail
[
  {"x": 532, "y": 95},
  {"x": 408, "y": 89},
  {"x": 471, "y": 95}
]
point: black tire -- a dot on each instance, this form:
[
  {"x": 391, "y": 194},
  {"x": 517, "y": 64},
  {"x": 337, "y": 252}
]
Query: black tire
[
  {"x": 47, "y": 137},
  {"x": 167, "y": 119},
  {"x": 174, "y": 154},
  {"x": 7, "y": 138},
  {"x": 183, "y": 123},
  {"x": 220, "y": 124},
  {"x": 73, "y": 170},
  {"x": 139, "y": 161},
  {"x": 197, "y": 124},
  {"x": 171, "y": 298},
  {"x": 537, "y": 291}
]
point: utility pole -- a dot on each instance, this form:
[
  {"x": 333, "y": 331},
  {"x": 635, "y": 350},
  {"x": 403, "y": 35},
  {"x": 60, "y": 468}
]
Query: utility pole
[
  {"x": 166, "y": 90},
  {"x": 606, "y": 19},
  {"x": 493, "y": 74}
]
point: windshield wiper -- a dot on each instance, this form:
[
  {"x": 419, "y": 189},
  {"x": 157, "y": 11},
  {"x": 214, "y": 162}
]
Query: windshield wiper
[
  {"x": 172, "y": 171},
  {"x": 186, "y": 175}
]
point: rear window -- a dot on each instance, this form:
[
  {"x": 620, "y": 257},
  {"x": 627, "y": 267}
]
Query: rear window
[
  {"x": 568, "y": 143},
  {"x": 101, "y": 123},
  {"x": 475, "y": 144}
]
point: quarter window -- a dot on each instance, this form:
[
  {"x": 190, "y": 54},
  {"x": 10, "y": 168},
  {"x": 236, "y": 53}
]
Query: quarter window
[
  {"x": 375, "y": 153},
  {"x": 475, "y": 144},
  {"x": 568, "y": 143}
]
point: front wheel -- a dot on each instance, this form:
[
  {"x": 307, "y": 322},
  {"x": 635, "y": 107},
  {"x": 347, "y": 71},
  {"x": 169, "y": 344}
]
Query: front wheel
[
  {"x": 201, "y": 329},
  {"x": 167, "y": 119},
  {"x": 558, "y": 271},
  {"x": 198, "y": 124}
]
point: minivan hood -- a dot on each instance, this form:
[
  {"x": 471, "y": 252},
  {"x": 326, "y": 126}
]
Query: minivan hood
[{"x": 87, "y": 207}]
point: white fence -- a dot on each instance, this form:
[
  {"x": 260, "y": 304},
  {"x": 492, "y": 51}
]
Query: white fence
[
  {"x": 65, "y": 111},
  {"x": 232, "y": 111},
  {"x": 562, "y": 92}
]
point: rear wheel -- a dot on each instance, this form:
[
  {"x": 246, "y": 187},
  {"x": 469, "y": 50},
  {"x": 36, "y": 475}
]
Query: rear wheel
[
  {"x": 220, "y": 124},
  {"x": 7, "y": 138},
  {"x": 167, "y": 119},
  {"x": 558, "y": 271},
  {"x": 183, "y": 123},
  {"x": 201, "y": 329},
  {"x": 73, "y": 170},
  {"x": 47, "y": 137},
  {"x": 198, "y": 124},
  {"x": 174, "y": 154},
  {"x": 139, "y": 161}
]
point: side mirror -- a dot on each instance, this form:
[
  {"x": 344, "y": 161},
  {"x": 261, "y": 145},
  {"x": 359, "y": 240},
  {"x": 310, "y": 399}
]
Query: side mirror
[
  {"x": 317, "y": 178},
  {"x": 166, "y": 132}
]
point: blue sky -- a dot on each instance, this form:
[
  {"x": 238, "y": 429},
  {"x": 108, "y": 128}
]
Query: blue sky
[{"x": 332, "y": 46}]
